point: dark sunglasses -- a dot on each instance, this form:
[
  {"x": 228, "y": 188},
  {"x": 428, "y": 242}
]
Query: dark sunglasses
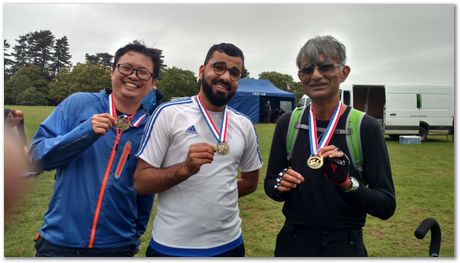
[
  {"x": 323, "y": 68},
  {"x": 220, "y": 68}
]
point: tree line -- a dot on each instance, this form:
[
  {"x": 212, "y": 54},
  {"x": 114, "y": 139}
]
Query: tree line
[{"x": 38, "y": 71}]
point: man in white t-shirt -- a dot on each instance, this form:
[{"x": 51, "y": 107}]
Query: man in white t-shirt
[{"x": 190, "y": 155}]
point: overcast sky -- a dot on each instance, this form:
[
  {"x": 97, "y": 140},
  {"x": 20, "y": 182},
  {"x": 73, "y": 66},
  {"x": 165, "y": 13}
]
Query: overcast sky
[{"x": 386, "y": 43}]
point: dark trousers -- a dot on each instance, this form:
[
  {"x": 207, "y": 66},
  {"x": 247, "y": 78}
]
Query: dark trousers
[
  {"x": 295, "y": 241},
  {"x": 44, "y": 248},
  {"x": 239, "y": 251}
]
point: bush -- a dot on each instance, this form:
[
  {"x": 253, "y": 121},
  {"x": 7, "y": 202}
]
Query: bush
[{"x": 33, "y": 97}]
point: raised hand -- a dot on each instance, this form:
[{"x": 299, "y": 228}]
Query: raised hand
[
  {"x": 336, "y": 164},
  {"x": 102, "y": 123},
  {"x": 198, "y": 155}
]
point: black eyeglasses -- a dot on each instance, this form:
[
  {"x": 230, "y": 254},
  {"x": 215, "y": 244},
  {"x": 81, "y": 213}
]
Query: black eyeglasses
[
  {"x": 220, "y": 68},
  {"x": 126, "y": 69},
  {"x": 322, "y": 68}
]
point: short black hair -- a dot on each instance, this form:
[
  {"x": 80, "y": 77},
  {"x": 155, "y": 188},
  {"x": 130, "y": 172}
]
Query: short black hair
[
  {"x": 137, "y": 46},
  {"x": 226, "y": 48}
]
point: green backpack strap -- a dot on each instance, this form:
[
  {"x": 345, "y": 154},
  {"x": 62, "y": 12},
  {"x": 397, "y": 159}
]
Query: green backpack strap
[
  {"x": 293, "y": 130},
  {"x": 353, "y": 125}
]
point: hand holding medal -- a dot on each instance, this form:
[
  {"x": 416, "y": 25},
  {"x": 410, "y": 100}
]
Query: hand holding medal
[
  {"x": 101, "y": 123},
  {"x": 316, "y": 161},
  {"x": 336, "y": 164},
  {"x": 198, "y": 155}
]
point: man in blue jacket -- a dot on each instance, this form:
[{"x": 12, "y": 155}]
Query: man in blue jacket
[{"x": 90, "y": 139}]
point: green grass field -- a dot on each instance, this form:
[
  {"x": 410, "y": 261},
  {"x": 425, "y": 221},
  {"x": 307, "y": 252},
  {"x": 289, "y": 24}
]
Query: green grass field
[{"x": 423, "y": 176}]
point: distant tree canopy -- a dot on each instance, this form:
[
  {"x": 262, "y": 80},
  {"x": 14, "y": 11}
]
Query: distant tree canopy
[
  {"x": 245, "y": 73},
  {"x": 40, "y": 48},
  {"x": 298, "y": 90},
  {"x": 61, "y": 56},
  {"x": 284, "y": 82},
  {"x": 33, "y": 63},
  {"x": 176, "y": 82},
  {"x": 81, "y": 78},
  {"x": 26, "y": 77},
  {"x": 38, "y": 71},
  {"x": 8, "y": 62},
  {"x": 33, "y": 97},
  {"x": 100, "y": 58},
  {"x": 281, "y": 81}
]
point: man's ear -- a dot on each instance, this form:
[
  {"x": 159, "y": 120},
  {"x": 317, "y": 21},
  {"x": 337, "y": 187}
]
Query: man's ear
[
  {"x": 345, "y": 71},
  {"x": 200, "y": 72},
  {"x": 154, "y": 82}
]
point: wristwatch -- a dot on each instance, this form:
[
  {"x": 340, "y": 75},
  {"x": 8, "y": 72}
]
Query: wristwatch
[{"x": 354, "y": 185}]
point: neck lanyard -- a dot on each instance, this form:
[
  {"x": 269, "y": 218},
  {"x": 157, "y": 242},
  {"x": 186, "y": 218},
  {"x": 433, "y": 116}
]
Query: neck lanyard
[
  {"x": 316, "y": 161},
  {"x": 123, "y": 122},
  {"x": 222, "y": 146}
]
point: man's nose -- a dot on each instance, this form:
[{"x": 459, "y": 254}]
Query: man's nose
[{"x": 316, "y": 73}]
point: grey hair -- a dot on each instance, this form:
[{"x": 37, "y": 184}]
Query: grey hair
[{"x": 322, "y": 45}]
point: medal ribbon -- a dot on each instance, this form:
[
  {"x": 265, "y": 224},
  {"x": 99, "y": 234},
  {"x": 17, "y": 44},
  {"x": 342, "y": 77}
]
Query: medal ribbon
[
  {"x": 222, "y": 135},
  {"x": 138, "y": 122},
  {"x": 112, "y": 109},
  {"x": 113, "y": 112},
  {"x": 328, "y": 133}
]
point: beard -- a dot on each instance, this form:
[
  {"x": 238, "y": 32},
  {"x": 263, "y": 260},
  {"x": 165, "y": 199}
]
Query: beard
[{"x": 217, "y": 98}]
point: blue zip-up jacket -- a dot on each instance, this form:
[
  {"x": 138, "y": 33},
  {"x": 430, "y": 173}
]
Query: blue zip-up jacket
[{"x": 94, "y": 203}]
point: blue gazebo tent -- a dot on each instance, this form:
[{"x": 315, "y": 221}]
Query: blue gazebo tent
[{"x": 252, "y": 94}]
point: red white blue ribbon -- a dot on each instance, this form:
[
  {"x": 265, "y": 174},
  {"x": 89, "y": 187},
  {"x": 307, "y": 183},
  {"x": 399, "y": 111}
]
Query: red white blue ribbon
[
  {"x": 137, "y": 122},
  {"x": 112, "y": 108},
  {"x": 221, "y": 136},
  {"x": 312, "y": 132},
  {"x": 113, "y": 112}
]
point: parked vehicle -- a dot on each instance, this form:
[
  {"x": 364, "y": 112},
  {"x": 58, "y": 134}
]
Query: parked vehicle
[{"x": 404, "y": 109}]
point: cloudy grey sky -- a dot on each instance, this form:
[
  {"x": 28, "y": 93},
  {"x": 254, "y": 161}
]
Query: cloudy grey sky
[{"x": 386, "y": 43}]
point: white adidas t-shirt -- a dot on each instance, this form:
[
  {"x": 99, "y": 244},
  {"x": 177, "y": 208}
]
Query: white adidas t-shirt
[{"x": 201, "y": 212}]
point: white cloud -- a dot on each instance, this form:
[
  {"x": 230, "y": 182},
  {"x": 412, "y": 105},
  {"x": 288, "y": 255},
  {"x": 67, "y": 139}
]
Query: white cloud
[{"x": 405, "y": 43}]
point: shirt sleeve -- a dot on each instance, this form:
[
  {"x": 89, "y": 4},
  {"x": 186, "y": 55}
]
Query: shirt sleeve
[
  {"x": 277, "y": 160},
  {"x": 155, "y": 141},
  {"x": 61, "y": 136},
  {"x": 378, "y": 197}
]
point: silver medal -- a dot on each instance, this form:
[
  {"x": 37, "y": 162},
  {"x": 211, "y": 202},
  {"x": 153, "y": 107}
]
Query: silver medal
[{"x": 222, "y": 148}]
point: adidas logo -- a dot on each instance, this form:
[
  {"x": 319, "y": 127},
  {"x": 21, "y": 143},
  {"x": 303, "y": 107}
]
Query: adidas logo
[{"x": 191, "y": 130}]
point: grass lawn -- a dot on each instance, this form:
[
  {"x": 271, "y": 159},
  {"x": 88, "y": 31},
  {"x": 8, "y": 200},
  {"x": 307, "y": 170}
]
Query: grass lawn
[{"x": 423, "y": 176}]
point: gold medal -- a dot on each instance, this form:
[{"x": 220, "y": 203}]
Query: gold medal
[
  {"x": 315, "y": 161},
  {"x": 122, "y": 123},
  {"x": 222, "y": 148}
]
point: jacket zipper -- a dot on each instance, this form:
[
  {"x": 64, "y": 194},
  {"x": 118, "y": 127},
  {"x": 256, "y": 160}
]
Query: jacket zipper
[
  {"x": 123, "y": 159},
  {"x": 103, "y": 186}
]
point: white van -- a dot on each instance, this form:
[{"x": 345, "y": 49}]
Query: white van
[{"x": 403, "y": 109}]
